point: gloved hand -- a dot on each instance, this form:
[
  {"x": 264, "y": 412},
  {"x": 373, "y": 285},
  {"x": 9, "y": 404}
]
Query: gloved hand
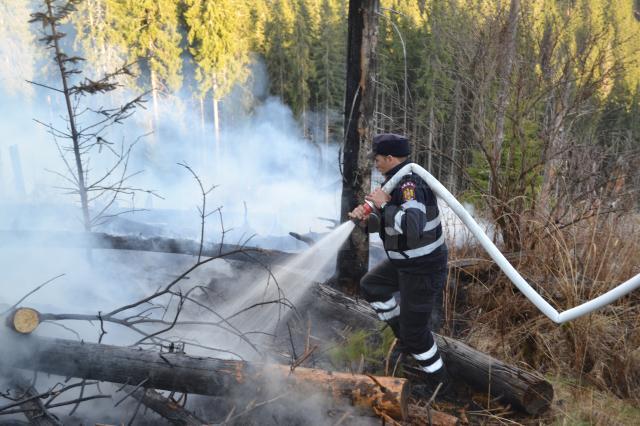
[
  {"x": 359, "y": 213},
  {"x": 378, "y": 198}
]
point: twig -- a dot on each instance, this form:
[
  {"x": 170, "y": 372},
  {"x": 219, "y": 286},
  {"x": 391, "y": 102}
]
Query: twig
[{"x": 30, "y": 293}]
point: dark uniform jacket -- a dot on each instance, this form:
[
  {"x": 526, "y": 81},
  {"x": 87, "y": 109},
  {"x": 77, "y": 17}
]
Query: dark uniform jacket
[{"x": 409, "y": 225}]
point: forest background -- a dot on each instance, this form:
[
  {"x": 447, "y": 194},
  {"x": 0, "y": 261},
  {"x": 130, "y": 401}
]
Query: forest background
[{"x": 528, "y": 110}]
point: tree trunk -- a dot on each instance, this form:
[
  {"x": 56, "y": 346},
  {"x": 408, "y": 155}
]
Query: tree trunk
[
  {"x": 353, "y": 259},
  {"x": 327, "y": 95},
  {"x": 216, "y": 123},
  {"x": 203, "y": 146},
  {"x": 484, "y": 373},
  {"x": 156, "y": 104},
  {"x": 190, "y": 374},
  {"x": 503, "y": 73},
  {"x": 430, "y": 140},
  {"x": 71, "y": 115},
  {"x": 453, "y": 171},
  {"x": 201, "y": 101}
]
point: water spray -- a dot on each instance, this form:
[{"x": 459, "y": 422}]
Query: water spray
[{"x": 515, "y": 277}]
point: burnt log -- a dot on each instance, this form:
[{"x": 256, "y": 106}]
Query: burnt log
[
  {"x": 99, "y": 240},
  {"x": 200, "y": 375},
  {"x": 524, "y": 390},
  {"x": 30, "y": 402}
]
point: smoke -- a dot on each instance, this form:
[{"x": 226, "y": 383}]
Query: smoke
[{"x": 270, "y": 179}]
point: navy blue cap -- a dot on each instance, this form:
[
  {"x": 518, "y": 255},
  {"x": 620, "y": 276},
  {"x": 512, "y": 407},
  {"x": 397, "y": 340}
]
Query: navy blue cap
[{"x": 391, "y": 144}]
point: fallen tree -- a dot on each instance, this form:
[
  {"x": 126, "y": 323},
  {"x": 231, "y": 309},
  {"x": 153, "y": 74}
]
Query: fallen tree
[
  {"x": 200, "y": 375},
  {"x": 523, "y": 389},
  {"x": 98, "y": 240}
]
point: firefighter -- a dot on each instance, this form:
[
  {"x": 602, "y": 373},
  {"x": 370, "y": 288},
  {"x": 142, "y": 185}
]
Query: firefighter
[{"x": 408, "y": 221}]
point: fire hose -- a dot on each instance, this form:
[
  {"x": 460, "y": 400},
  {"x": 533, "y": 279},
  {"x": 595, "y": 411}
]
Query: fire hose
[{"x": 515, "y": 277}]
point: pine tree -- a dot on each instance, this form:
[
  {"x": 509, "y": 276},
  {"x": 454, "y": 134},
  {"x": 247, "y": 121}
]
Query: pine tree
[
  {"x": 86, "y": 128},
  {"x": 277, "y": 49}
]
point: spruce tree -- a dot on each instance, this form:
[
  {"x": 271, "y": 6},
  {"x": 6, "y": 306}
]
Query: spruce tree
[
  {"x": 150, "y": 30},
  {"x": 217, "y": 35}
]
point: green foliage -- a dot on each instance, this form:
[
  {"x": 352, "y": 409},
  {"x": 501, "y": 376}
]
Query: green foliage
[
  {"x": 575, "y": 60},
  {"x": 17, "y": 50},
  {"x": 372, "y": 347},
  {"x": 150, "y": 33},
  {"x": 218, "y": 43},
  {"x": 98, "y": 37},
  {"x": 328, "y": 56}
]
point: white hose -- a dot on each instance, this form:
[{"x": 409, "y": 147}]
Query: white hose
[{"x": 503, "y": 263}]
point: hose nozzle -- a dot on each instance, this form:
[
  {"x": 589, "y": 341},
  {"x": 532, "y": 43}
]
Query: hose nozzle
[{"x": 368, "y": 208}]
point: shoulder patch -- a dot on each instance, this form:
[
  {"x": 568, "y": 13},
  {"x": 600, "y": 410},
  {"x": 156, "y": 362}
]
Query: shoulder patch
[{"x": 408, "y": 191}]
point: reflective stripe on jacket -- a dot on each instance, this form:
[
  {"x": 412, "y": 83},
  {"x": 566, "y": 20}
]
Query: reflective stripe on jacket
[{"x": 410, "y": 225}]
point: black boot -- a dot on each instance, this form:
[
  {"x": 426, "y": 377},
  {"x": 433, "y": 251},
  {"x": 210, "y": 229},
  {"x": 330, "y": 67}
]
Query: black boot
[
  {"x": 399, "y": 354},
  {"x": 425, "y": 385}
]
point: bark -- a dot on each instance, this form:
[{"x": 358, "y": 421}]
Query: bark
[
  {"x": 484, "y": 373},
  {"x": 99, "y": 240},
  {"x": 190, "y": 374},
  {"x": 353, "y": 259},
  {"x": 427, "y": 416}
]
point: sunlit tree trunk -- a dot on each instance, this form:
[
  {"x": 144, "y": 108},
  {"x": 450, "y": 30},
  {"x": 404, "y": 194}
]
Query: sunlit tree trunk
[
  {"x": 156, "y": 105},
  {"x": 216, "y": 120}
]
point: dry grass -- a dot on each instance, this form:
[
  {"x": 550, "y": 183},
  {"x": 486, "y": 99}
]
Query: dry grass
[
  {"x": 600, "y": 352},
  {"x": 580, "y": 405}
]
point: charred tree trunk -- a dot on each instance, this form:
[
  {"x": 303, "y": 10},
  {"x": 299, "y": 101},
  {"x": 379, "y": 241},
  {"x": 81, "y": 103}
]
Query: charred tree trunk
[
  {"x": 97, "y": 240},
  {"x": 353, "y": 260},
  {"x": 190, "y": 374},
  {"x": 518, "y": 387}
]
